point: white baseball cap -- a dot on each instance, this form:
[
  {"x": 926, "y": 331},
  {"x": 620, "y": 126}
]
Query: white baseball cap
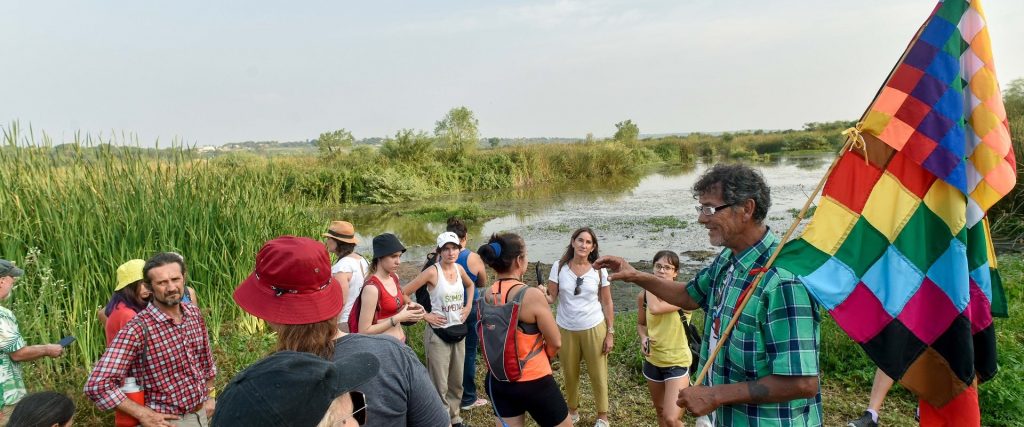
[{"x": 446, "y": 238}]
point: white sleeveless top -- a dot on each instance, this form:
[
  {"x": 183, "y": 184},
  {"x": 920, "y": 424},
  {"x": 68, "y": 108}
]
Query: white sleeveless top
[{"x": 446, "y": 298}]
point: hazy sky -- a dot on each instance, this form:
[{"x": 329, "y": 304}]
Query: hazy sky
[{"x": 212, "y": 72}]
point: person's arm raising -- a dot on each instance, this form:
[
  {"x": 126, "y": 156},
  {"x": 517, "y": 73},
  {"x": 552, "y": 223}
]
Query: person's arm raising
[
  {"x": 538, "y": 311},
  {"x": 669, "y": 291}
]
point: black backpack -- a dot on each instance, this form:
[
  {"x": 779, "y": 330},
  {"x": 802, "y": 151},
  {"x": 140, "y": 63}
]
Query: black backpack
[{"x": 422, "y": 295}]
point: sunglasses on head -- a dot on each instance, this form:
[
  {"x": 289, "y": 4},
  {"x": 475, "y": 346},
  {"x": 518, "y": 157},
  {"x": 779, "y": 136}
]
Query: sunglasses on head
[{"x": 578, "y": 290}]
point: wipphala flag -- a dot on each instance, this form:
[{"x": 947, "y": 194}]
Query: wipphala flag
[{"x": 899, "y": 250}]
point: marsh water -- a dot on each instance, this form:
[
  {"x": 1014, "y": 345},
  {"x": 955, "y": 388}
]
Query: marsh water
[{"x": 633, "y": 218}]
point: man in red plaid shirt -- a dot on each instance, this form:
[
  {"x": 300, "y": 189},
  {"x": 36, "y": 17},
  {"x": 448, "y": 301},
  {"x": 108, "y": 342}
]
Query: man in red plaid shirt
[{"x": 166, "y": 348}]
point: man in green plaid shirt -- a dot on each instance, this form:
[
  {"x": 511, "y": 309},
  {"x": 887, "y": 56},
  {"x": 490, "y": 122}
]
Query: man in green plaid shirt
[{"x": 766, "y": 373}]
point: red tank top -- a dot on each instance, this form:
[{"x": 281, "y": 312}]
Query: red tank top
[{"x": 389, "y": 303}]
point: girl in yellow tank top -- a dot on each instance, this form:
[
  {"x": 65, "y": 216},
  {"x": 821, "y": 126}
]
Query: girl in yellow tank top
[{"x": 664, "y": 345}]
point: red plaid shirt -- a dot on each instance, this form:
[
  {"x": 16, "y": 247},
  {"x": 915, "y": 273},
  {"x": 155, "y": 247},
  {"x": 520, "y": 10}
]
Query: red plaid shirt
[{"x": 171, "y": 362}]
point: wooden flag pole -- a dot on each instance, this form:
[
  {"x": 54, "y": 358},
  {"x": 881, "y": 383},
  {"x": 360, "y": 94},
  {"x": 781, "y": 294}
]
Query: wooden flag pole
[{"x": 853, "y": 140}]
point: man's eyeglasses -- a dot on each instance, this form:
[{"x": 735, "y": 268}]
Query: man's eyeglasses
[
  {"x": 578, "y": 290},
  {"x": 663, "y": 267},
  {"x": 358, "y": 409},
  {"x": 711, "y": 210}
]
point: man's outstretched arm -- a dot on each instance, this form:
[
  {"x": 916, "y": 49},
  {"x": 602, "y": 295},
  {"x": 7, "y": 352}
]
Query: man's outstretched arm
[{"x": 669, "y": 291}]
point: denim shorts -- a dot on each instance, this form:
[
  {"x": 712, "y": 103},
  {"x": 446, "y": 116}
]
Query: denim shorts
[{"x": 660, "y": 375}]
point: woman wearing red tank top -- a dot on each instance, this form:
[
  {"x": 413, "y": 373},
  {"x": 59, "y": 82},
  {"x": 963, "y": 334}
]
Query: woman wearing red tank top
[{"x": 394, "y": 307}]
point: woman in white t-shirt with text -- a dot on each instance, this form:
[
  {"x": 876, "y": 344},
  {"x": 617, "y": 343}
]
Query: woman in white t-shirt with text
[
  {"x": 444, "y": 337},
  {"x": 586, "y": 318},
  {"x": 351, "y": 268}
]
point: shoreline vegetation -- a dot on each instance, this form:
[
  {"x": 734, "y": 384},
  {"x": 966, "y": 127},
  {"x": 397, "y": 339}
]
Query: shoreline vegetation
[{"x": 73, "y": 212}]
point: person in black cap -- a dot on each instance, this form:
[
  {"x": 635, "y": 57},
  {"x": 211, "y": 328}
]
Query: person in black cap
[
  {"x": 290, "y": 388},
  {"x": 383, "y": 307},
  {"x": 13, "y": 348}
]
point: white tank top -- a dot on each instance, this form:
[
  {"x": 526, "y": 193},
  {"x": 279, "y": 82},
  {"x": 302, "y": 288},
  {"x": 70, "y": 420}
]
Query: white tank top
[{"x": 446, "y": 298}]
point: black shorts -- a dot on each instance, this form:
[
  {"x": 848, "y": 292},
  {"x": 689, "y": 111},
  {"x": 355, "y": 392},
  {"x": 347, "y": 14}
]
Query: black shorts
[
  {"x": 660, "y": 375},
  {"x": 540, "y": 397}
]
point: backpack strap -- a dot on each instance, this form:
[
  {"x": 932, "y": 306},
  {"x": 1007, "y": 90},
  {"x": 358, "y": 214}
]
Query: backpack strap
[
  {"x": 380, "y": 294},
  {"x": 537, "y": 346}
]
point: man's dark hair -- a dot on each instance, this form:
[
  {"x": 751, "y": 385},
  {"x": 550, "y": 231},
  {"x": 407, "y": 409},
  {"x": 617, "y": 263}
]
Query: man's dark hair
[
  {"x": 44, "y": 408},
  {"x": 737, "y": 184},
  {"x": 161, "y": 259}
]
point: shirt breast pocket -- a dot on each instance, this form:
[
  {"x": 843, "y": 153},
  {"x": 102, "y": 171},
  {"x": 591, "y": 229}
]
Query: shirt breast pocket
[{"x": 746, "y": 351}]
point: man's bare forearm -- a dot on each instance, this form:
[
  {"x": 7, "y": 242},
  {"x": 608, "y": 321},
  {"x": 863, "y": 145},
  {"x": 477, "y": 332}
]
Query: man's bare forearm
[
  {"x": 669, "y": 291},
  {"x": 770, "y": 389}
]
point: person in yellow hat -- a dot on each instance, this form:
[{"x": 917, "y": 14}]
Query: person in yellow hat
[{"x": 130, "y": 297}]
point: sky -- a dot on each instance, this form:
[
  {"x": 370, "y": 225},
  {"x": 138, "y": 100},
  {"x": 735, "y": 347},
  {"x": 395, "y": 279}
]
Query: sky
[{"x": 212, "y": 72}]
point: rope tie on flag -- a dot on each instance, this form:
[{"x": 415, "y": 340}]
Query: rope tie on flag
[{"x": 856, "y": 139}]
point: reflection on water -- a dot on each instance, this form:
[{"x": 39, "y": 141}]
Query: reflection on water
[{"x": 634, "y": 217}]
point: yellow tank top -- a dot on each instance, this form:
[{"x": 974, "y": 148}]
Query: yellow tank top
[{"x": 668, "y": 340}]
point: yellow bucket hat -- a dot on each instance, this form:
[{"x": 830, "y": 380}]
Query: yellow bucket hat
[{"x": 128, "y": 273}]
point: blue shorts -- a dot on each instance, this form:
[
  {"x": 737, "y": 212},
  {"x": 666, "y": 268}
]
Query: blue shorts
[{"x": 660, "y": 375}]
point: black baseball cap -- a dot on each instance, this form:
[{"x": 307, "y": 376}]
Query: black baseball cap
[
  {"x": 290, "y": 388},
  {"x": 7, "y": 268}
]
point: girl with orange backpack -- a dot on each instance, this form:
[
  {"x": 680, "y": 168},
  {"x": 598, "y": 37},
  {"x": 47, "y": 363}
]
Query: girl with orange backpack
[{"x": 519, "y": 337}]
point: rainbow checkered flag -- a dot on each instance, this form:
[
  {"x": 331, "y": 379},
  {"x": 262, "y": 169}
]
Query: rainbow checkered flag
[{"x": 899, "y": 249}]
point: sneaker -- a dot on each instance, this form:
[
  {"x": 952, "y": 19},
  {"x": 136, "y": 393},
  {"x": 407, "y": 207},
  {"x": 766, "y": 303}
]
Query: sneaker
[
  {"x": 864, "y": 421},
  {"x": 601, "y": 423},
  {"x": 478, "y": 403}
]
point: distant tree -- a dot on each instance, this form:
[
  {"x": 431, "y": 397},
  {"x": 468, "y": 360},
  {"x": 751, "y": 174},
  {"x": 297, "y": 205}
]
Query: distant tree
[
  {"x": 332, "y": 144},
  {"x": 627, "y": 132},
  {"x": 457, "y": 132},
  {"x": 408, "y": 145},
  {"x": 589, "y": 139},
  {"x": 494, "y": 142}
]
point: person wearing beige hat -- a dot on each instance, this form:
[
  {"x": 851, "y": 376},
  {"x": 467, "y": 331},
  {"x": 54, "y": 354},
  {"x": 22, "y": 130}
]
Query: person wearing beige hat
[
  {"x": 130, "y": 297},
  {"x": 350, "y": 269}
]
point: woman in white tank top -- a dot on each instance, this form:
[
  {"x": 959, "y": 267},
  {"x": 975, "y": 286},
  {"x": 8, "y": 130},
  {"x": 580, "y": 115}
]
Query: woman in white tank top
[
  {"x": 351, "y": 268},
  {"x": 446, "y": 283}
]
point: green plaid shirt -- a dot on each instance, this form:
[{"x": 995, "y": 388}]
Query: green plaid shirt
[{"x": 777, "y": 334}]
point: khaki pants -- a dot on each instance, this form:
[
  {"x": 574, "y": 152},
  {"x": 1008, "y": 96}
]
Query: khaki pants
[
  {"x": 198, "y": 419},
  {"x": 444, "y": 364},
  {"x": 585, "y": 345}
]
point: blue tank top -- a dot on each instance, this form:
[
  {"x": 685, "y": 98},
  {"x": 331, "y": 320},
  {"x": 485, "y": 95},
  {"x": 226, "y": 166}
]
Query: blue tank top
[{"x": 463, "y": 260}]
